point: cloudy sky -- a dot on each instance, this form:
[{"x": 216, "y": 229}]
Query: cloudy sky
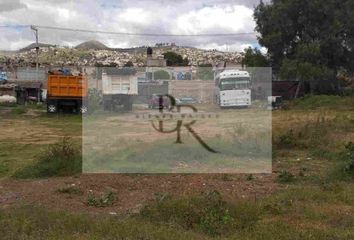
[{"x": 134, "y": 16}]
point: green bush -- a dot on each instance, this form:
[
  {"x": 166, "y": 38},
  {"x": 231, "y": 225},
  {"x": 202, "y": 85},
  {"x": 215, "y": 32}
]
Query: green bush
[
  {"x": 350, "y": 153},
  {"x": 287, "y": 139},
  {"x": 60, "y": 159},
  {"x": 286, "y": 177},
  {"x": 348, "y": 92},
  {"x": 322, "y": 101},
  {"x": 70, "y": 190},
  {"x": 207, "y": 213},
  {"x": 161, "y": 75},
  {"x": 105, "y": 200}
]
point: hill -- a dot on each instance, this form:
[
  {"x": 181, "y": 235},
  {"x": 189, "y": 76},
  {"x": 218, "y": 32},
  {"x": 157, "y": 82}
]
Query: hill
[
  {"x": 93, "y": 44},
  {"x": 33, "y": 45}
]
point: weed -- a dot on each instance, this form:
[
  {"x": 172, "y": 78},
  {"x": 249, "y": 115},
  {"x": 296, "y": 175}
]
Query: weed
[
  {"x": 350, "y": 153},
  {"x": 162, "y": 196},
  {"x": 249, "y": 177},
  {"x": 285, "y": 177},
  {"x": 206, "y": 212},
  {"x": 302, "y": 172},
  {"x": 18, "y": 110},
  {"x": 321, "y": 101},
  {"x": 226, "y": 177},
  {"x": 3, "y": 169},
  {"x": 287, "y": 139},
  {"x": 105, "y": 200},
  {"x": 60, "y": 159},
  {"x": 343, "y": 169},
  {"x": 70, "y": 190},
  {"x": 32, "y": 222}
]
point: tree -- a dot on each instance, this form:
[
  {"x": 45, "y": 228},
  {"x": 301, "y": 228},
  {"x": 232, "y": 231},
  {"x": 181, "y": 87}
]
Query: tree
[
  {"x": 129, "y": 64},
  {"x": 254, "y": 58},
  {"x": 307, "y": 40},
  {"x": 174, "y": 59},
  {"x": 161, "y": 75}
]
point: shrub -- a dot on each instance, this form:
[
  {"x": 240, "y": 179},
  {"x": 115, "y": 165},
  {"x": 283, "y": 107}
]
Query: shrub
[
  {"x": 60, "y": 159},
  {"x": 348, "y": 91},
  {"x": 343, "y": 169},
  {"x": 206, "y": 212},
  {"x": 286, "y": 177},
  {"x": 70, "y": 190},
  {"x": 288, "y": 139},
  {"x": 321, "y": 101},
  {"x": 95, "y": 99},
  {"x": 350, "y": 152},
  {"x": 226, "y": 177},
  {"x": 161, "y": 75},
  {"x": 249, "y": 177},
  {"x": 105, "y": 200}
]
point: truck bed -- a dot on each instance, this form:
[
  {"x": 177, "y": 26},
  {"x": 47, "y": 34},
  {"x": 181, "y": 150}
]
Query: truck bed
[{"x": 62, "y": 86}]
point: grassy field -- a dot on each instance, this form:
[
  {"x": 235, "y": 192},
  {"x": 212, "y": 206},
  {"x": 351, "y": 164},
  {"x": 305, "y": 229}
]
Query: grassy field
[
  {"x": 309, "y": 194},
  {"x": 124, "y": 143}
]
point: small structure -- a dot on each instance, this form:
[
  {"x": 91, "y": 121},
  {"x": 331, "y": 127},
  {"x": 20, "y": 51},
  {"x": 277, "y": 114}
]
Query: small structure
[
  {"x": 27, "y": 91},
  {"x": 151, "y": 61},
  {"x": 288, "y": 89},
  {"x": 119, "y": 87},
  {"x": 30, "y": 74},
  {"x": 8, "y": 89}
]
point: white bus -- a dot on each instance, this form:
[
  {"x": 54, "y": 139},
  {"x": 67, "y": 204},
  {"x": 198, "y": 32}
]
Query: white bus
[{"x": 233, "y": 88}]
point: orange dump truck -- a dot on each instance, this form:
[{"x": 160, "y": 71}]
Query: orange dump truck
[{"x": 67, "y": 92}]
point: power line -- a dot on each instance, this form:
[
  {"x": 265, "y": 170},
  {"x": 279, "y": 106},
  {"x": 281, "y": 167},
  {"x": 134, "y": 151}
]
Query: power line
[
  {"x": 14, "y": 26},
  {"x": 146, "y": 34}
]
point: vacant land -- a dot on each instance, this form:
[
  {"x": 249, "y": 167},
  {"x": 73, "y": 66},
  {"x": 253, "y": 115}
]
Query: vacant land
[
  {"x": 309, "y": 194},
  {"x": 130, "y": 142}
]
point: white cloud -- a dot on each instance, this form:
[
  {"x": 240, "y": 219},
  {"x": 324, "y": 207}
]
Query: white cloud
[
  {"x": 220, "y": 19},
  {"x": 176, "y": 17},
  {"x": 134, "y": 15},
  {"x": 11, "y": 5}
]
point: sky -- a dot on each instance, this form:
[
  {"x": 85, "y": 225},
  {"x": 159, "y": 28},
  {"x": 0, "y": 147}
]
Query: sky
[{"x": 134, "y": 16}]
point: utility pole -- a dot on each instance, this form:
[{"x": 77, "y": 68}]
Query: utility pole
[{"x": 35, "y": 29}]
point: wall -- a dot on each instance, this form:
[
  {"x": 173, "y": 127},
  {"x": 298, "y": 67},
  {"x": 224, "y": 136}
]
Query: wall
[
  {"x": 200, "y": 90},
  {"x": 145, "y": 90}
]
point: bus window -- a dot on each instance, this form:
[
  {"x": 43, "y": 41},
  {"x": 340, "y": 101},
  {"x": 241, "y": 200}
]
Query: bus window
[{"x": 234, "y": 83}]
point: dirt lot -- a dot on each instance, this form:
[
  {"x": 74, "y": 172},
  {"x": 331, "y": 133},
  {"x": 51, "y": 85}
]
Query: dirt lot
[
  {"x": 31, "y": 132},
  {"x": 132, "y": 191},
  {"x": 310, "y": 185}
]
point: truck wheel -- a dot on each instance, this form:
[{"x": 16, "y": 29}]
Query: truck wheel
[
  {"x": 52, "y": 108},
  {"x": 83, "y": 109}
]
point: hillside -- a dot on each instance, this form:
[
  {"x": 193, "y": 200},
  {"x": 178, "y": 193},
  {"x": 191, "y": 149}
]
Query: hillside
[
  {"x": 94, "y": 52},
  {"x": 33, "y": 45},
  {"x": 93, "y": 44}
]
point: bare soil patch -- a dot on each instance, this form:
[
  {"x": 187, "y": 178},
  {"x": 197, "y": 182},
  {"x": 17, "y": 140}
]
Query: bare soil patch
[{"x": 131, "y": 191}]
